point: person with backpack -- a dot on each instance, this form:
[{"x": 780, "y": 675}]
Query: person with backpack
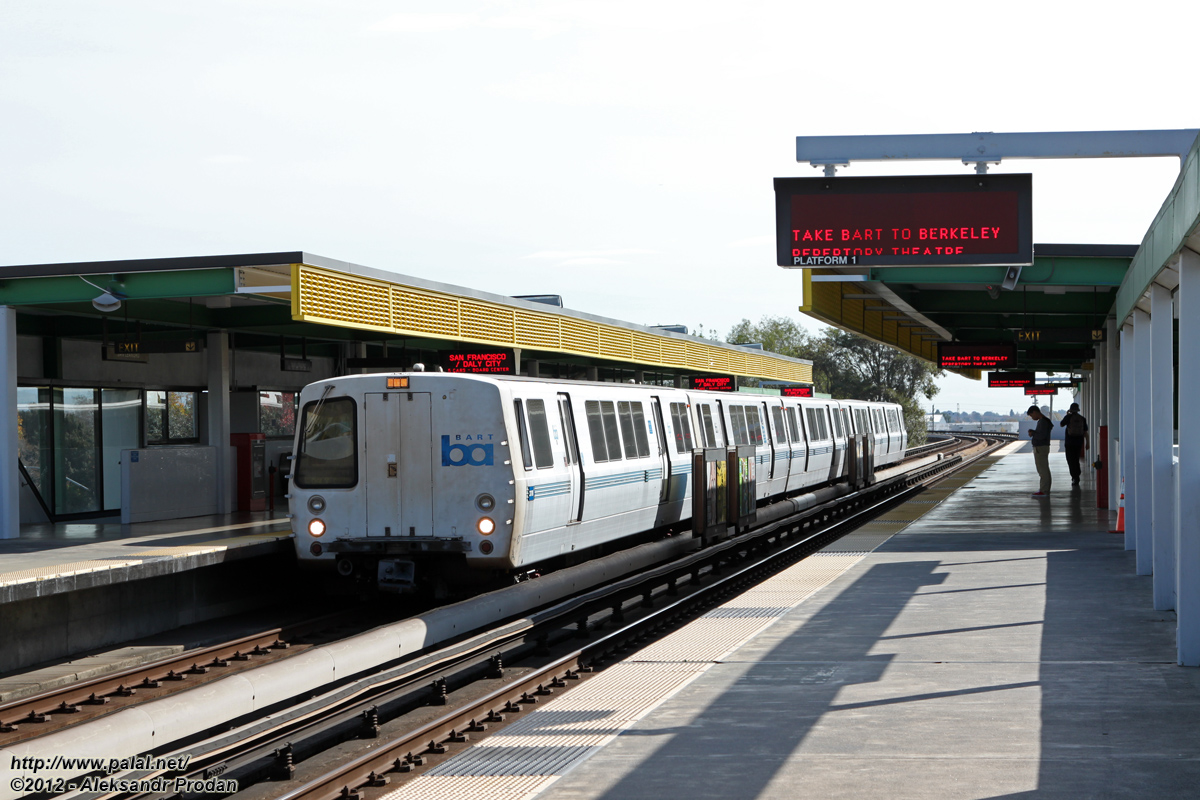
[{"x": 1076, "y": 440}]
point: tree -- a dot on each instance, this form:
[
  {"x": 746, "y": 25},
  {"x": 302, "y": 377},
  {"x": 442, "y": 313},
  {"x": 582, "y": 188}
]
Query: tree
[{"x": 850, "y": 366}]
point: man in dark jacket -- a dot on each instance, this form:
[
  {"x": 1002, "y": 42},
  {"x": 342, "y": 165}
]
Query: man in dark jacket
[
  {"x": 1040, "y": 437},
  {"x": 1076, "y": 440}
]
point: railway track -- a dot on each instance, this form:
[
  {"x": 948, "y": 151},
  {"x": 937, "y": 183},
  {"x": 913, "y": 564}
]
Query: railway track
[{"x": 474, "y": 683}]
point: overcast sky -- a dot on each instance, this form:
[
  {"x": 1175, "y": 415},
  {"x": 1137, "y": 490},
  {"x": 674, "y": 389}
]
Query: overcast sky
[{"x": 617, "y": 153}]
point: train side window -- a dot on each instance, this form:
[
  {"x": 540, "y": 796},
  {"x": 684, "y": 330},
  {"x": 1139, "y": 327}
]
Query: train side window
[
  {"x": 837, "y": 423},
  {"x": 609, "y": 413},
  {"x": 539, "y": 428},
  {"x": 596, "y": 430},
  {"x": 710, "y": 433},
  {"x": 639, "y": 431},
  {"x": 846, "y": 420},
  {"x": 777, "y": 418},
  {"x": 738, "y": 415},
  {"x": 625, "y": 412},
  {"x": 683, "y": 430},
  {"x": 824, "y": 415},
  {"x": 793, "y": 425},
  {"x": 523, "y": 434},
  {"x": 753, "y": 426}
]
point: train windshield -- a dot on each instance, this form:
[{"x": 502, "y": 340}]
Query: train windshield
[{"x": 328, "y": 445}]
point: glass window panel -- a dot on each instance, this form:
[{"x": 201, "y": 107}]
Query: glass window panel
[
  {"x": 156, "y": 415},
  {"x": 120, "y": 413},
  {"x": 564, "y": 416},
  {"x": 523, "y": 434},
  {"x": 793, "y": 425},
  {"x": 609, "y": 414},
  {"x": 780, "y": 429},
  {"x": 277, "y": 413},
  {"x": 76, "y": 471},
  {"x": 625, "y": 412},
  {"x": 753, "y": 427},
  {"x": 181, "y": 415},
  {"x": 738, "y": 415},
  {"x": 33, "y": 438},
  {"x": 328, "y": 456},
  {"x": 596, "y": 430},
  {"x": 539, "y": 428},
  {"x": 639, "y": 430},
  {"x": 710, "y": 433}
]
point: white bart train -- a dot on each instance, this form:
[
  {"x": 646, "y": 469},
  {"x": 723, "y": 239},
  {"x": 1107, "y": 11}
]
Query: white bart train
[{"x": 432, "y": 478}]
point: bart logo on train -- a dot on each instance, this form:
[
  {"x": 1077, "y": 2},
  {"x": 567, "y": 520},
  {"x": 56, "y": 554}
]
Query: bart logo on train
[{"x": 465, "y": 455}]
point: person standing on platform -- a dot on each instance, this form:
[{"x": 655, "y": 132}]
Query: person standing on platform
[
  {"x": 1040, "y": 437},
  {"x": 1076, "y": 440}
]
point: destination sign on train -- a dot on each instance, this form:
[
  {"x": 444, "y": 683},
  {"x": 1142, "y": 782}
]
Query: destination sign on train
[
  {"x": 1010, "y": 380},
  {"x": 926, "y": 220},
  {"x": 482, "y": 362},
  {"x": 956, "y": 355},
  {"x": 714, "y": 383},
  {"x": 796, "y": 391}
]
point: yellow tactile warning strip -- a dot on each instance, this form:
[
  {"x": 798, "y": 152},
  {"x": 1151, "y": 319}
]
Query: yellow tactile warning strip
[
  {"x": 522, "y": 760},
  {"x": 63, "y": 570}
]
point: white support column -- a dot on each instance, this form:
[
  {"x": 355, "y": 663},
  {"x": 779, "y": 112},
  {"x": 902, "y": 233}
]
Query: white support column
[
  {"x": 10, "y": 482},
  {"x": 1112, "y": 371},
  {"x": 1128, "y": 434},
  {"x": 217, "y": 354},
  {"x": 1162, "y": 412},
  {"x": 1143, "y": 456},
  {"x": 1187, "y": 601}
]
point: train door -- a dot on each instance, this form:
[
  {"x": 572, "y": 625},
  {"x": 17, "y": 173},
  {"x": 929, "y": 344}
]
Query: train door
[
  {"x": 398, "y": 464},
  {"x": 567, "y": 419},
  {"x": 770, "y": 440},
  {"x": 664, "y": 460}
]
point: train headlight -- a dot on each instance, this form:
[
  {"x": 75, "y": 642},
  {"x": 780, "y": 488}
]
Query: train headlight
[
  {"x": 316, "y": 504},
  {"x": 485, "y": 502},
  {"x": 316, "y": 527},
  {"x": 486, "y": 525}
]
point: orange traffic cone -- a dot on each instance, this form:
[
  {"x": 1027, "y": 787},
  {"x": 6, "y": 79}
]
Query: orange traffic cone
[{"x": 1120, "y": 516}]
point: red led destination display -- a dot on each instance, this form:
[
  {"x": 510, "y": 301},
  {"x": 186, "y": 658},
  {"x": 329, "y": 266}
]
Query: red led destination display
[
  {"x": 1040, "y": 390},
  {"x": 714, "y": 383},
  {"x": 796, "y": 391},
  {"x": 927, "y": 220},
  {"x": 955, "y": 355},
  {"x": 482, "y": 362},
  {"x": 1010, "y": 380}
]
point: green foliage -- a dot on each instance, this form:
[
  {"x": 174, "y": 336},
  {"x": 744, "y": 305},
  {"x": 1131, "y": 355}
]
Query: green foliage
[{"x": 849, "y": 366}]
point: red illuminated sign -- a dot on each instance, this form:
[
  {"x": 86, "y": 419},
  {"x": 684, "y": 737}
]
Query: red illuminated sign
[
  {"x": 796, "y": 391},
  {"x": 499, "y": 362},
  {"x": 714, "y": 383},
  {"x": 935, "y": 220},
  {"x": 1009, "y": 380},
  {"x": 955, "y": 355},
  {"x": 1040, "y": 390}
]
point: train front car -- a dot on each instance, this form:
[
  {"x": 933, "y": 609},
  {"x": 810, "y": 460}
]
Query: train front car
[{"x": 403, "y": 481}]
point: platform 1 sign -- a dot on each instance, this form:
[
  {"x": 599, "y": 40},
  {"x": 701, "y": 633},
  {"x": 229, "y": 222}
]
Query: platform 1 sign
[
  {"x": 922, "y": 220},
  {"x": 956, "y": 355},
  {"x": 1010, "y": 380},
  {"x": 796, "y": 391},
  {"x": 482, "y": 362},
  {"x": 714, "y": 383}
]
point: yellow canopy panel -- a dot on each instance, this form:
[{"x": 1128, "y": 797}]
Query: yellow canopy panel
[{"x": 329, "y": 297}]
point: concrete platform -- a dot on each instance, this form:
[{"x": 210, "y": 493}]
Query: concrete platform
[
  {"x": 66, "y": 557},
  {"x": 997, "y": 645},
  {"x": 74, "y": 588}
]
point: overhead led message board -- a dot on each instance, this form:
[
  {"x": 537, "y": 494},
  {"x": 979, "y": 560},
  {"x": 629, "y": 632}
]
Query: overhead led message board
[
  {"x": 955, "y": 355},
  {"x": 714, "y": 383},
  {"x": 1040, "y": 390},
  {"x": 1010, "y": 380},
  {"x": 796, "y": 391},
  {"x": 924, "y": 220},
  {"x": 482, "y": 362}
]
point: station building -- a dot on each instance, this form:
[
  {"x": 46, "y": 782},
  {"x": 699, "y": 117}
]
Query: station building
[{"x": 163, "y": 388}]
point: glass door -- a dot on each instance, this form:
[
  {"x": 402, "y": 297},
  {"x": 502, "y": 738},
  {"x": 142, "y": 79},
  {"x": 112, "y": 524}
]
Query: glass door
[
  {"x": 120, "y": 429},
  {"x": 77, "y": 488}
]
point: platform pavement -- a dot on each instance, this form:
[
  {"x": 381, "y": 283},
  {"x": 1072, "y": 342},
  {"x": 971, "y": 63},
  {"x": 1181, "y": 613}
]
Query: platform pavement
[
  {"x": 48, "y": 559},
  {"x": 999, "y": 646}
]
